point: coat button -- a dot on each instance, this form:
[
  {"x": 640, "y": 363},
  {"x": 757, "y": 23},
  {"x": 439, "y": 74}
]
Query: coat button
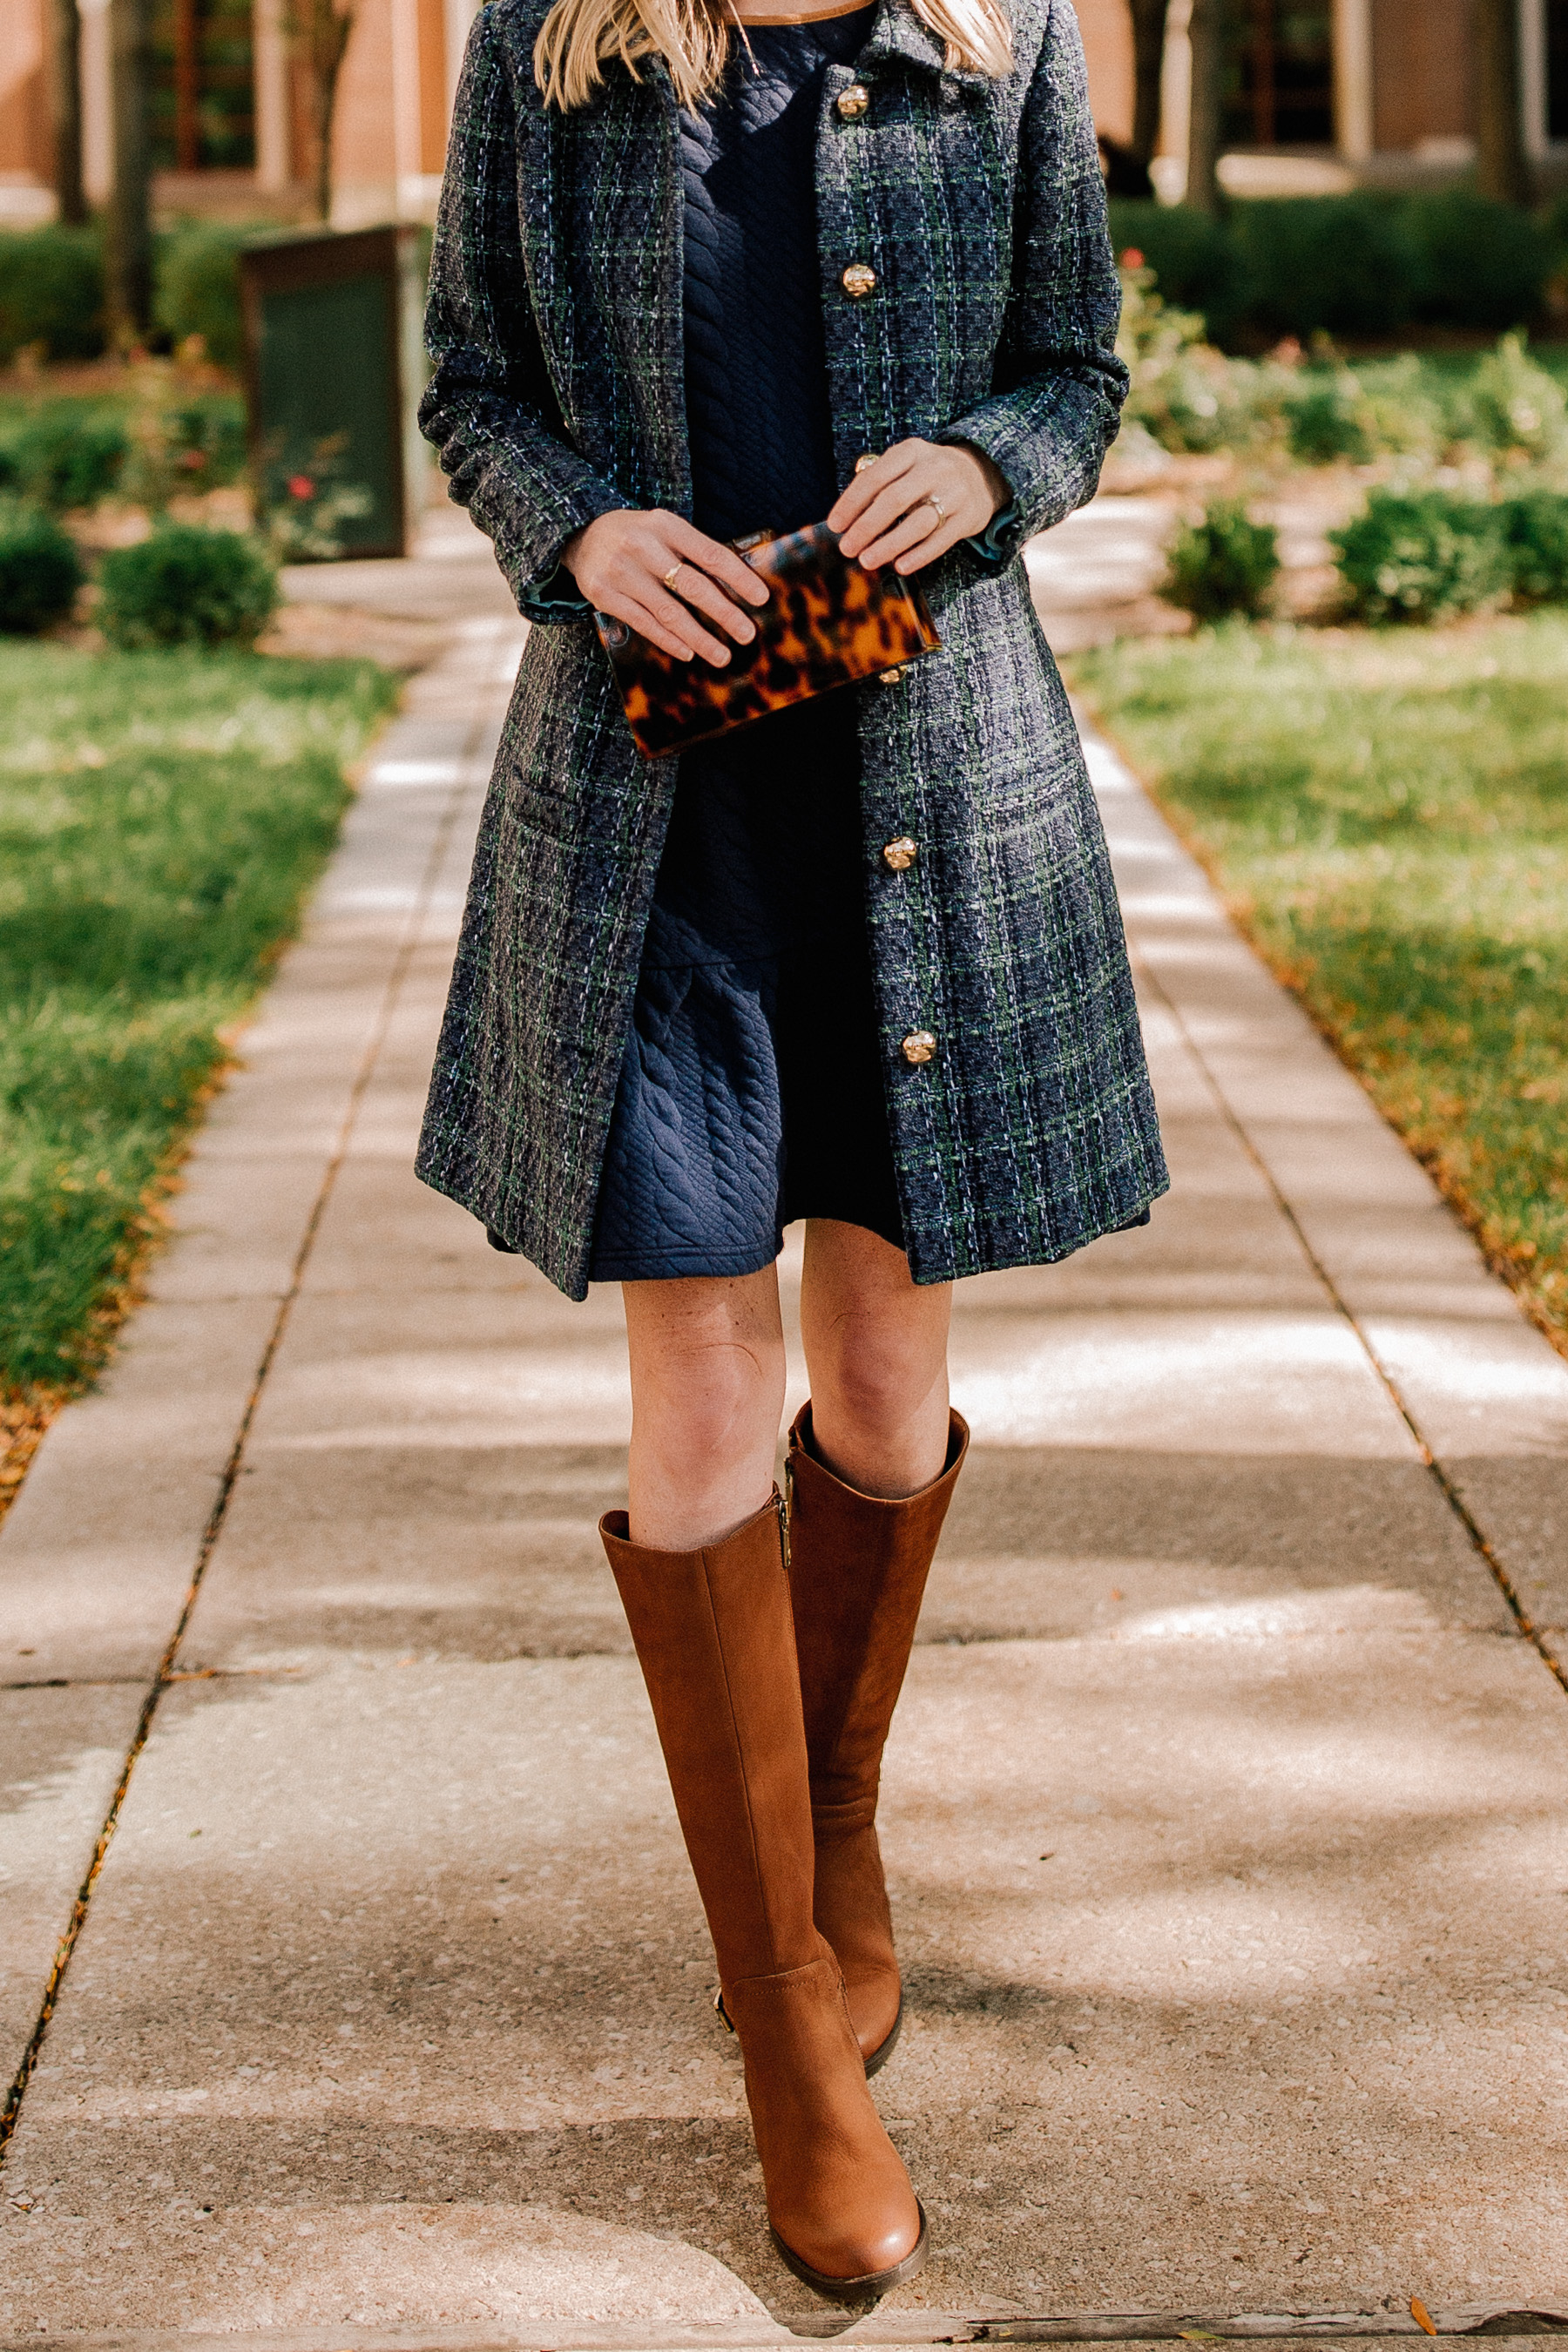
[
  {"x": 890, "y": 677},
  {"x": 857, "y": 279},
  {"x": 901, "y": 853},
  {"x": 853, "y": 101},
  {"x": 920, "y": 1045}
]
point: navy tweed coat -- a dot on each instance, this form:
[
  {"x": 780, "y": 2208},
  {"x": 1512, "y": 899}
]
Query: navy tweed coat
[{"x": 555, "y": 325}]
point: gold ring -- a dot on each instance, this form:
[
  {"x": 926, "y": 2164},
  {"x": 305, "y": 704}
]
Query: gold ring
[
  {"x": 937, "y": 504},
  {"x": 670, "y": 576}
]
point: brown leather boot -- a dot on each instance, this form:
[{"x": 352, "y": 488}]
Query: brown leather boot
[
  {"x": 715, "y": 1638},
  {"x": 857, "y": 1574}
]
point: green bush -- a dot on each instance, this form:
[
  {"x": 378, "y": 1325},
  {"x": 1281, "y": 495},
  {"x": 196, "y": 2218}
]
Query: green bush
[
  {"x": 1192, "y": 256},
  {"x": 198, "y": 289},
  {"x": 51, "y": 292},
  {"x": 1224, "y": 564},
  {"x": 1477, "y": 263},
  {"x": 63, "y": 456},
  {"x": 1186, "y": 394},
  {"x": 41, "y": 571},
  {"x": 187, "y": 587},
  {"x": 1515, "y": 407},
  {"x": 1421, "y": 556},
  {"x": 1362, "y": 264},
  {"x": 1348, "y": 413},
  {"x": 1339, "y": 264},
  {"x": 1535, "y": 533}
]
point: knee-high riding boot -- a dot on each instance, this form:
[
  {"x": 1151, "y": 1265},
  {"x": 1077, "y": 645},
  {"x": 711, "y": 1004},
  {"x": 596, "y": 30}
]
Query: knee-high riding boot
[
  {"x": 715, "y": 1638},
  {"x": 857, "y": 1574}
]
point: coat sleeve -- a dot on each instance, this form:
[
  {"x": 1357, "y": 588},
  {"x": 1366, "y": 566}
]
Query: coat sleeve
[
  {"x": 1059, "y": 384},
  {"x": 489, "y": 408}
]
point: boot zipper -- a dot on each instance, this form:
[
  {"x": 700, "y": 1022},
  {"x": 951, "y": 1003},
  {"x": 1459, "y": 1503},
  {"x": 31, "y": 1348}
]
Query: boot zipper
[{"x": 783, "y": 1507}]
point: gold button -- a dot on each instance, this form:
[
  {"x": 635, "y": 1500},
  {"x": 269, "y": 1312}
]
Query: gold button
[
  {"x": 920, "y": 1045},
  {"x": 889, "y": 677},
  {"x": 857, "y": 279},
  {"x": 901, "y": 853},
  {"x": 853, "y": 101}
]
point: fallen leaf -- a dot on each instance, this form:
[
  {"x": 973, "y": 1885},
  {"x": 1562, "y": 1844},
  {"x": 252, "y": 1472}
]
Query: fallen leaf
[{"x": 1422, "y": 2317}]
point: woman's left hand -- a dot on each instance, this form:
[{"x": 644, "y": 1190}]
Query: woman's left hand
[{"x": 917, "y": 500}]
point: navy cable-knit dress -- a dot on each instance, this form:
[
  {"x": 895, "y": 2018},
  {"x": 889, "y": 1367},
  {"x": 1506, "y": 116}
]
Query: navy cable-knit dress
[{"x": 752, "y": 1090}]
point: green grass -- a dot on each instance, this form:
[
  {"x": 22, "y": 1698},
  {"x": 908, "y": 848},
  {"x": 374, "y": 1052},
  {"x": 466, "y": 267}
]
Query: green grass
[
  {"x": 1388, "y": 812},
  {"x": 162, "y": 817}
]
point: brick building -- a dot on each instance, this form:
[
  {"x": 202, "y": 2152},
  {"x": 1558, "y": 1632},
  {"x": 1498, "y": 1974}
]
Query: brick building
[{"x": 1319, "y": 93}]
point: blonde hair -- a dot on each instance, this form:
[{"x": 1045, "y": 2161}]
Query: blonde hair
[{"x": 579, "y": 38}]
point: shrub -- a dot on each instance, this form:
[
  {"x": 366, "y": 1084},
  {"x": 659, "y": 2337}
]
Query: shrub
[
  {"x": 1227, "y": 564},
  {"x": 1535, "y": 533},
  {"x": 186, "y": 587},
  {"x": 41, "y": 571},
  {"x": 1515, "y": 407},
  {"x": 198, "y": 289},
  {"x": 1341, "y": 412},
  {"x": 61, "y": 457},
  {"x": 1420, "y": 556},
  {"x": 1186, "y": 394},
  {"x": 1192, "y": 256},
  {"x": 1343, "y": 265},
  {"x": 51, "y": 292},
  {"x": 1477, "y": 263}
]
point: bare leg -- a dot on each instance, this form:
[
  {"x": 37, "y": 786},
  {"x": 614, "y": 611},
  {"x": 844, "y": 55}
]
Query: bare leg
[
  {"x": 876, "y": 1348},
  {"x": 707, "y": 1386}
]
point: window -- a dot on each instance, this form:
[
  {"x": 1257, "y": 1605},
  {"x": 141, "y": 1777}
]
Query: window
[
  {"x": 1280, "y": 74},
  {"x": 203, "y": 85},
  {"x": 1557, "y": 70}
]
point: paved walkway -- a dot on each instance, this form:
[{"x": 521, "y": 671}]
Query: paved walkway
[{"x": 1227, "y": 1814}]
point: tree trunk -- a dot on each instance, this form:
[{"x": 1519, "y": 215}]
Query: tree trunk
[
  {"x": 129, "y": 255},
  {"x": 65, "y": 108},
  {"x": 1204, "y": 29},
  {"x": 1502, "y": 168},
  {"x": 323, "y": 36},
  {"x": 1148, "y": 66}
]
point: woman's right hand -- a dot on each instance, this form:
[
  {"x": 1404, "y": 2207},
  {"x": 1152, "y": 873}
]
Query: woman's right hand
[{"x": 659, "y": 572}]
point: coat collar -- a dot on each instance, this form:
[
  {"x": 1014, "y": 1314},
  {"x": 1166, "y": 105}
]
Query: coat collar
[{"x": 899, "y": 36}]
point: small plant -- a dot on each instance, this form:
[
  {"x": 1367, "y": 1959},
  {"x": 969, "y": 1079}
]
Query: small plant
[
  {"x": 187, "y": 587},
  {"x": 1340, "y": 413},
  {"x": 41, "y": 571},
  {"x": 61, "y": 458},
  {"x": 306, "y": 509},
  {"x": 1224, "y": 564},
  {"x": 1514, "y": 408},
  {"x": 1421, "y": 556},
  {"x": 1186, "y": 394},
  {"x": 1535, "y": 532}
]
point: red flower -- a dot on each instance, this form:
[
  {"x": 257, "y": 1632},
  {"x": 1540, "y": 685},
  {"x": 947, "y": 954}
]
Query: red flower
[
  {"x": 301, "y": 487},
  {"x": 1133, "y": 258}
]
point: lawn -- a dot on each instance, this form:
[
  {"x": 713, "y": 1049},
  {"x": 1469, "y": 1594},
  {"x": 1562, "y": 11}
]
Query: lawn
[
  {"x": 162, "y": 817},
  {"x": 1387, "y": 814}
]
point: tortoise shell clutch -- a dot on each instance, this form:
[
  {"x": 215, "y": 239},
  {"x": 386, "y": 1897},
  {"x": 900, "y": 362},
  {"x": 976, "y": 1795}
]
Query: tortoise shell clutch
[{"x": 827, "y": 622}]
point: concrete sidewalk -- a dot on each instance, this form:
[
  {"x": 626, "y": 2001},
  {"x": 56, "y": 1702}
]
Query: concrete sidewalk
[{"x": 1227, "y": 1814}]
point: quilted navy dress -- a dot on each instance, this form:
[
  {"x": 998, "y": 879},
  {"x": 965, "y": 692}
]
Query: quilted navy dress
[{"x": 752, "y": 1091}]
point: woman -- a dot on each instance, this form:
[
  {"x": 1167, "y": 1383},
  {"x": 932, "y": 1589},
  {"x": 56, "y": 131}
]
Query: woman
[{"x": 704, "y": 268}]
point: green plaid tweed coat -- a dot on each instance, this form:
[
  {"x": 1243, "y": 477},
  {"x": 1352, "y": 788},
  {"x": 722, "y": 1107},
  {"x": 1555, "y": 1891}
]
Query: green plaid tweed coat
[{"x": 556, "y": 324}]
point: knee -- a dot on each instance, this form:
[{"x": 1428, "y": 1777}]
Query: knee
[
  {"x": 876, "y": 1382},
  {"x": 707, "y": 1405}
]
